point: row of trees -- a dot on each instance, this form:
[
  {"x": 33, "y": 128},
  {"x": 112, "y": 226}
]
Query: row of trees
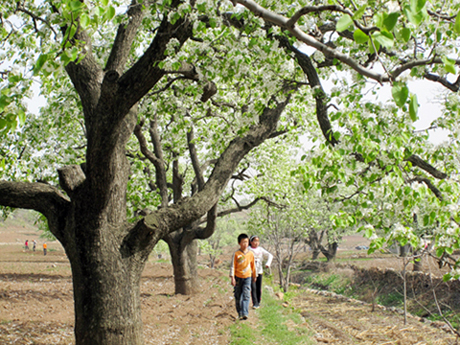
[{"x": 154, "y": 106}]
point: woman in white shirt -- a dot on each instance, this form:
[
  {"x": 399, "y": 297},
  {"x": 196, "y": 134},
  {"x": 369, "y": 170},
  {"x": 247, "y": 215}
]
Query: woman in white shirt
[{"x": 259, "y": 253}]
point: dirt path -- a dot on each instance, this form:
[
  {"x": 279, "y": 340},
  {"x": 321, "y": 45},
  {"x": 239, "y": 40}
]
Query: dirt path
[
  {"x": 36, "y": 307},
  {"x": 338, "y": 320}
]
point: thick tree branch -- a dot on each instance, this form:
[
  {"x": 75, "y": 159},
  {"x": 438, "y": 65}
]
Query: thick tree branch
[
  {"x": 295, "y": 31},
  {"x": 125, "y": 37},
  {"x": 86, "y": 76},
  {"x": 70, "y": 178},
  {"x": 208, "y": 231},
  {"x": 41, "y": 197},
  {"x": 419, "y": 162},
  {"x": 318, "y": 92},
  {"x": 454, "y": 87},
  {"x": 145, "y": 73},
  {"x": 429, "y": 184},
  {"x": 178, "y": 179},
  {"x": 179, "y": 215}
]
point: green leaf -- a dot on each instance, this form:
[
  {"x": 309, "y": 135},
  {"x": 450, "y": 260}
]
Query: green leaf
[
  {"x": 384, "y": 38},
  {"x": 449, "y": 65},
  {"x": 390, "y": 21},
  {"x": 368, "y": 232},
  {"x": 378, "y": 19},
  {"x": 371, "y": 47},
  {"x": 4, "y": 102},
  {"x": 105, "y": 2},
  {"x": 413, "y": 15},
  {"x": 413, "y": 108},
  {"x": 403, "y": 34},
  {"x": 457, "y": 23},
  {"x": 76, "y": 6},
  {"x": 446, "y": 277},
  {"x": 21, "y": 117},
  {"x": 400, "y": 93},
  {"x": 344, "y": 23},
  {"x": 110, "y": 13},
  {"x": 426, "y": 220},
  {"x": 360, "y": 37},
  {"x": 439, "y": 251},
  {"x": 417, "y": 5},
  {"x": 176, "y": 65},
  {"x": 84, "y": 20},
  {"x": 40, "y": 62},
  {"x": 359, "y": 13}
]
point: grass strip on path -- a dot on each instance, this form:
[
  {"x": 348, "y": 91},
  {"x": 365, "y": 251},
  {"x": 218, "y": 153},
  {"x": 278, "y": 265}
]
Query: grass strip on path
[{"x": 272, "y": 324}]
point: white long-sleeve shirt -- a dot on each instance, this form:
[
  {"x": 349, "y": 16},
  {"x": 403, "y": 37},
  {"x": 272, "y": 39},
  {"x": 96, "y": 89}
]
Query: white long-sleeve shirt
[{"x": 259, "y": 253}]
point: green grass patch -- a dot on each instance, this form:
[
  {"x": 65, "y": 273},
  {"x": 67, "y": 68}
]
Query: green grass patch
[
  {"x": 392, "y": 299},
  {"x": 275, "y": 320},
  {"x": 243, "y": 334},
  {"x": 328, "y": 281},
  {"x": 276, "y": 325},
  {"x": 453, "y": 318}
]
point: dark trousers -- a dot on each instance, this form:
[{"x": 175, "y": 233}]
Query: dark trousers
[
  {"x": 242, "y": 291},
  {"x": 256, "y": 291}
]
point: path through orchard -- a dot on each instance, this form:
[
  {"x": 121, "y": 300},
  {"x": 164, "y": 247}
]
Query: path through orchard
[{"x": 36, "y": 307}]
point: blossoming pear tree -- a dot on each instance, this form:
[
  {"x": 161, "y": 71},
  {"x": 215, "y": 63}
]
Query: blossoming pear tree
[
  {"x": 110, "y": 72},
  {"x": 392, "y": 178}
]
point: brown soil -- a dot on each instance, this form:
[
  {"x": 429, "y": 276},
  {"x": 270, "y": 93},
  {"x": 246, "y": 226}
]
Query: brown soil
[
  {"x": 36, "y": 305},
  {"x": 36, "y": 299},
  {"x": 338, "y": 320}
]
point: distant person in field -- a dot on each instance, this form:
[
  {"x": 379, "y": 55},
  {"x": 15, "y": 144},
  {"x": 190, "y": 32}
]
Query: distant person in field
[
  {"x": 242, "y": 268},
  {"x": 44, "y": 248},
  {"x": 34, "y": 245},
  {"x": 259, "y": 253},
  {"x": 26, "y": 245}
]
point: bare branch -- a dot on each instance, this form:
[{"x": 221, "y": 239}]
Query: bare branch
[
  {"x": 454, "y": 87},
  {"x": 194, "y": 158},
  {"x": 429, "y": 184},
  {"x": 419, "y": 162},
  {"x": 125, "y": 37},
  {"x": 155, "y": 158},
  {"x": 441, "y": 16},
  {"x": 327, "y": 8},
  {"x": 36, "y": 18}
]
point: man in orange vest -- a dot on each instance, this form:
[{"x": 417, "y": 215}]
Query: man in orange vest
[{"x": 44, "y": 248}]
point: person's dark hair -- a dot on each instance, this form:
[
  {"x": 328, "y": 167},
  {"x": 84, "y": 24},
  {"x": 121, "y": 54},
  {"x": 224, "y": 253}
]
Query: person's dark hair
[
  {"x": 252, "y": 238},
  {"x": 242, "y": 237}
]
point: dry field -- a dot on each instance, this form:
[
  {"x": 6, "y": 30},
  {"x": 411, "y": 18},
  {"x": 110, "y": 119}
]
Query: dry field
[{"x": 36, "y": 306}]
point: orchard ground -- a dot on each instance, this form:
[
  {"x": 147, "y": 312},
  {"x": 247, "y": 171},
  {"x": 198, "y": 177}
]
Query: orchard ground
[{"x": 36, "y": 304}]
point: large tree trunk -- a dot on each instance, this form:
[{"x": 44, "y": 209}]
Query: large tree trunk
[
  {"x": 331, "y": 251},
  {"x": 314, "y": 242},
  {"x": 183, "y": 258},
  {"x": 418, "y": 263},
  {"x": 107, "y": 296}
]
